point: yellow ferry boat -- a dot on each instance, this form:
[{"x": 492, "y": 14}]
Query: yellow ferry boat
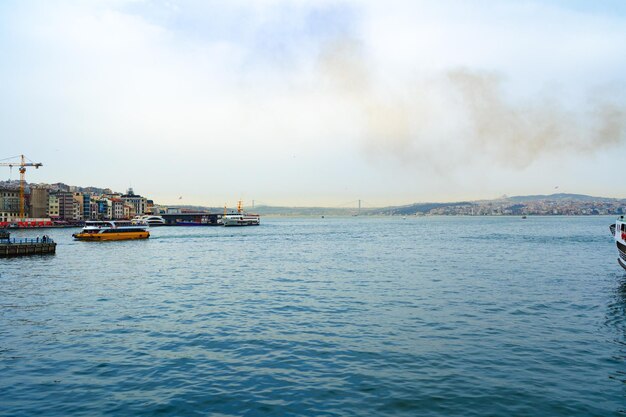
[{"x": 111, "y": 230}]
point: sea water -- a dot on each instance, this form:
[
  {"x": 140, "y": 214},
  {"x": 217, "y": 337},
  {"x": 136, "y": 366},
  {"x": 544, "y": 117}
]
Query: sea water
[{"x": 430, "y": 316}]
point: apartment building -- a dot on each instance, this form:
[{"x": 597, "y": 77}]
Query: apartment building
[
  {"x": 39, "y": 197},
  {"x": 53, "y": 206},
  {"x": 9, "y": 204},
  {"x": 138, "y": 202}
]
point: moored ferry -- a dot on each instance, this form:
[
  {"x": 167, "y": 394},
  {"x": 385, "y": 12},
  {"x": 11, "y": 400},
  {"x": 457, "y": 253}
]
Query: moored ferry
[
  {"x": 618, "y": 230},
  {"x": 240, "y": 218},
  {"x": 149, "y": 220},
  {"x": 111, "y": 230}
]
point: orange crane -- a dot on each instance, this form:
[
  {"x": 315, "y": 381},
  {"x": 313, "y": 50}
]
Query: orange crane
[{"x": 22, "y": 164}]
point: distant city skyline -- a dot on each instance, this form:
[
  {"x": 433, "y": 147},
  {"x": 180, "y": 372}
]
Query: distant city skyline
[{"x": 317, "y": 103}]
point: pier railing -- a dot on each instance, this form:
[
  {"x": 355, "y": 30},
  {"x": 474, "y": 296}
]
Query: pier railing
[{"x": 26, "y": 241}]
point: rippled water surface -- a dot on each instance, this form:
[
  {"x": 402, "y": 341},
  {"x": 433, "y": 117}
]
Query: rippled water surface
[{"x": 321, "y": 317}]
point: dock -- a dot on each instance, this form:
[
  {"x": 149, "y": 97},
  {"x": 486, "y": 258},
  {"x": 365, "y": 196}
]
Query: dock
[{"x": 22, "y": 247}]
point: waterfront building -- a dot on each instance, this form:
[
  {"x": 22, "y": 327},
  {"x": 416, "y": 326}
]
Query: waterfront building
[
  {"x": 93, "y": 210},
  {"x": 77, "y": 212},
  {"x": 105, "y": 208},
  {"x": 139, "y": 203},
  {"x": 101, "y": 208},
  {"x": 86, "y": 206},
  {"x": 53, "y": 206},
  {"x": 149, "y": 207},
  {"x": 129, "y": 211},
  {"x": 39, "y": 197},
  {"x": 9, "y": 204},
  {"x": 66, "y": 205},
  {"x": 117, "y": 205}
]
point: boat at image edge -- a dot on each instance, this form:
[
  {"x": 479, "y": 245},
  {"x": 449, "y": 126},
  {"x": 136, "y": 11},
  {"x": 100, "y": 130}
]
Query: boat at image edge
[
  {"x": 111, "y": 230},
  {"x": 618, "y": 230},
  {"x": 240, "y": 218}
]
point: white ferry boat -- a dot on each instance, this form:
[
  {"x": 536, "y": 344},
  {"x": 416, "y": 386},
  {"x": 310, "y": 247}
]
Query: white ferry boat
[
  {"x": 111, "y": 230},
  {"x": 149, "y": 220},
  {"x": 240, "y": 218},
  {"x": 618, "y": 230}
]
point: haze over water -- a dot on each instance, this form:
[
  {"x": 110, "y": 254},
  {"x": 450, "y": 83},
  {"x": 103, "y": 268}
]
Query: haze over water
[
  {"x": 314, "y": 103},
  {"x": 321, "y": 317}
]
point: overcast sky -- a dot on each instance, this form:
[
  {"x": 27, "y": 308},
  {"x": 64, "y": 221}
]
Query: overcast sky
[{"x": 317, "y": 102}]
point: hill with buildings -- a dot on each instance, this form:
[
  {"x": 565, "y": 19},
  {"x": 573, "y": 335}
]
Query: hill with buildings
[
  {"x": 59, "y": 186},
  {"x": 67, "y": 203},
  {"x": 64, "y": 203},
  {"x": 554, "y": 204},
  {"x": 558, "y": 197}
]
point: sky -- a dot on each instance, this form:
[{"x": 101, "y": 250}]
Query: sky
[{"x": 321, "y": 102}]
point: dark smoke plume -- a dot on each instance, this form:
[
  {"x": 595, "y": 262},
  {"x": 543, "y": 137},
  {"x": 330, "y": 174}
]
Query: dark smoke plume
[{"x": 462, "y": 115}]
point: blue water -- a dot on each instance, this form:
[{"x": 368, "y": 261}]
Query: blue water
[{"x": 441, "y": 316}]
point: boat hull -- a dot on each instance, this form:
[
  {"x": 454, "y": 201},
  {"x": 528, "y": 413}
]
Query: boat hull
[
  {"x": 621, "y": 250},
  {"x": 622, "y": 264},
  {"x": 100, "y": 237},
  {"x": 241, "y": 223},
  {"x": 618, "y": 230}
]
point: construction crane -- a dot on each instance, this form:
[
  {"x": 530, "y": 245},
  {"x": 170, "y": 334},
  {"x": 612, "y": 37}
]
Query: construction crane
[{"x": 22, "y": 164}]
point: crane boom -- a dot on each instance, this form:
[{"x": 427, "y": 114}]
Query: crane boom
[{"x": 22, "y": 164}]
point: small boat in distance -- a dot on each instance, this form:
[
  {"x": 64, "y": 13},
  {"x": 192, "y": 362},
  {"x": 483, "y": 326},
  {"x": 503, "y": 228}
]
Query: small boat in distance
[
  {"x": 111, "y": 230},
  {"x": 240, "y": 218},
  {"x": 148, "y": 220},
  {"x": 618, "y": 230}
]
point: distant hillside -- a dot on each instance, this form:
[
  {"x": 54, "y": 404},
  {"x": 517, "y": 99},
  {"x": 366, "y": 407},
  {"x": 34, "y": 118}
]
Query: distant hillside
[
  {"x": 304, "y": 211},
  {"x": 515, "y": 205},
  {"x": 416, "y": 208},
  {"x": 559, "y": 196}
]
